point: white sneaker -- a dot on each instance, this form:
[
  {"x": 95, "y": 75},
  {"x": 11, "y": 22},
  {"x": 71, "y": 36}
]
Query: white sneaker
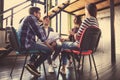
[
  {"x": 50, "y": 69},
  {"x": 80, "y": 68},
  {"x": 54, "y": 65}
]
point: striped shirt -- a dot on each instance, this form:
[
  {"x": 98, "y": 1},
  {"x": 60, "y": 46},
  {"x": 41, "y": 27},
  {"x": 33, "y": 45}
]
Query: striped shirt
[
  {"x": 28, "y": 29},
  {"x": 88, "y": 22}
]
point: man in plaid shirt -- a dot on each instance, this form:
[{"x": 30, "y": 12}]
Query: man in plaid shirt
[{"x": 28, "y": 30}]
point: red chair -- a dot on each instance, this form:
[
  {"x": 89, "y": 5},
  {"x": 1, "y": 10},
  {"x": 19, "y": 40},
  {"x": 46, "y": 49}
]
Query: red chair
[{"x": 88, "y": 44}]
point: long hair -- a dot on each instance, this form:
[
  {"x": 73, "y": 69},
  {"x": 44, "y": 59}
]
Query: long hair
[
  {"x": 78, "y": 20},
  {"x": 92, "y": 9}
]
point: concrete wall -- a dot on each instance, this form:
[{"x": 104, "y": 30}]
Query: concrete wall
[
  {"x": 104, "y": 22},
  {"x": 117, "y": 29}
]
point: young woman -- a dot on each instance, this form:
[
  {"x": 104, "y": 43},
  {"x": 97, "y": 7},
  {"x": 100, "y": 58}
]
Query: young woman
[
  {"x": 90, "y": 20},
  {"x": 77, "y": 22}
]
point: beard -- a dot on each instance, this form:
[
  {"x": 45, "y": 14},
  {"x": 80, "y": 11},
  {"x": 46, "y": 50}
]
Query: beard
[{"x": 46, "y": 24}]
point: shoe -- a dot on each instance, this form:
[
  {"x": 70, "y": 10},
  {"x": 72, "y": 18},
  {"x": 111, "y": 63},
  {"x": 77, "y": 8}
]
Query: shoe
[
  {"x": 50, "y": 69},
  {"x": 32, "y": 70},
  {"x": 62, "y": 71},
  {"x": 54, "y": 65},
  {"x": 79, "y": 69}
]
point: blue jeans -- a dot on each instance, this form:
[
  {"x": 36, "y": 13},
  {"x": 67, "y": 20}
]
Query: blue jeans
[
  {"x": 67, "y": 45},
  {"x": 55, "y": 54},
  {"x": 46, "y": 52}
]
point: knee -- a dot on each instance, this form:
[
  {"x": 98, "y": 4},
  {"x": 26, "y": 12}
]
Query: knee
[{"x": 48, "y": 51}]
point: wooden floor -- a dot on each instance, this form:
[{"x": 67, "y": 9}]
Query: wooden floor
[{"x": 106, "y": 70}]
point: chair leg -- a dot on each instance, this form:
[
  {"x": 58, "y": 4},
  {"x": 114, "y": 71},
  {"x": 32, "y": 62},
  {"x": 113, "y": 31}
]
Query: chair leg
[
  {"x": 90, "y": 62},
  {"x": 59, "y": 67},
  {"x": 79, "y": 65},
  {"x": 74, "y": 65},
  {"x": 23, "y": 67},
  {"x": 82, "y": 63},
  {"x": 40, "y": 68},
  {"x": 13, "y": 66},
  {"x": 95, "y": 66},
  {"x": 44, "y": 71},
  {"x": 59, "y": 56},
  {"x": 79, "y": 61}
]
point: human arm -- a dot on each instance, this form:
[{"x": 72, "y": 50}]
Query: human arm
[{"x": 36, "y": 28}]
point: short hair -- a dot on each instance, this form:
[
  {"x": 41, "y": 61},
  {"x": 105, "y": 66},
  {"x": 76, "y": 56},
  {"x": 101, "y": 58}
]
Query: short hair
[
  {"x": 92, "y": 9},
  {"x": 33, "y": 9},
  {"x": 45, "y": 17}
]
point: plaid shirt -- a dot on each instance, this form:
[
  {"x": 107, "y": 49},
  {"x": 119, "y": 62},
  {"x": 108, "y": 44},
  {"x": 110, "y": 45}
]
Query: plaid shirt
[{"x": 29, "y": 28}]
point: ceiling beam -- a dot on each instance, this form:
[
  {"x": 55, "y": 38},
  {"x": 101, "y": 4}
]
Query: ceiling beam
[
  {"x": 103, "y": 8},
  {"x": 84, "y": 7},
  {"x": 40, "y": 2},
  {"x": 68, "y": 12},
  {"x": 59, "y": 10}
]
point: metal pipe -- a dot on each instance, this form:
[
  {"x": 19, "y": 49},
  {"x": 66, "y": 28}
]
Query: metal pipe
[
  {"x": 1, "y": 11},
  {"x": 60, "y": 23},
  {"x": 6, "y": 21},
  {"x": 45, "y": 6},
  {"x": 56, "y": 2},
  {"x": 113, "y": 52},
  {"x": 11, "y": 17}
]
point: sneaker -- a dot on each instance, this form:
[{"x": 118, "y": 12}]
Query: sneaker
[
  {"x": 79, "y": 69},
  {"x": 50, "y": 69},
  {"x": 54, "y": 65},
  {"x": 63, "y": 71},
  {"x": 32, "y": 70}
]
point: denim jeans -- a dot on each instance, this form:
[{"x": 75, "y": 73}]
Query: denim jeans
[
  {"x": 55, "y": 54},
  {"x": 45, "y": 53},
  {"x": 67, "y": 45}
]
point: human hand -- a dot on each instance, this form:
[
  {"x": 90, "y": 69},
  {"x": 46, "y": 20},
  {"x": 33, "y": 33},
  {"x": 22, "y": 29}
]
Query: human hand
[
  {"x": 71, "y": 32},
  {"x": 62, "y": 39},
  {"x": 51, "y": 47},
  {"x": 53, "y": 44}
]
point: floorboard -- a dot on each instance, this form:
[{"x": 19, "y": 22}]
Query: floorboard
[{"x": 106, "y": 70}]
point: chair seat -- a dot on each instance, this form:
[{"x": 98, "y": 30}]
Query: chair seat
[{"x": 88, "y": 52}]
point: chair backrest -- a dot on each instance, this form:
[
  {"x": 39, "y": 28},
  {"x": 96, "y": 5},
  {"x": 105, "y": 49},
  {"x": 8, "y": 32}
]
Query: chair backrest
[
  {"x": 14, "y": 40},
  {"x": 90, "y": 39}
]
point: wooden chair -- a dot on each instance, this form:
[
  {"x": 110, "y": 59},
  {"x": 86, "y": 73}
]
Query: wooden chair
[{"x": 15, "y": 44}]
